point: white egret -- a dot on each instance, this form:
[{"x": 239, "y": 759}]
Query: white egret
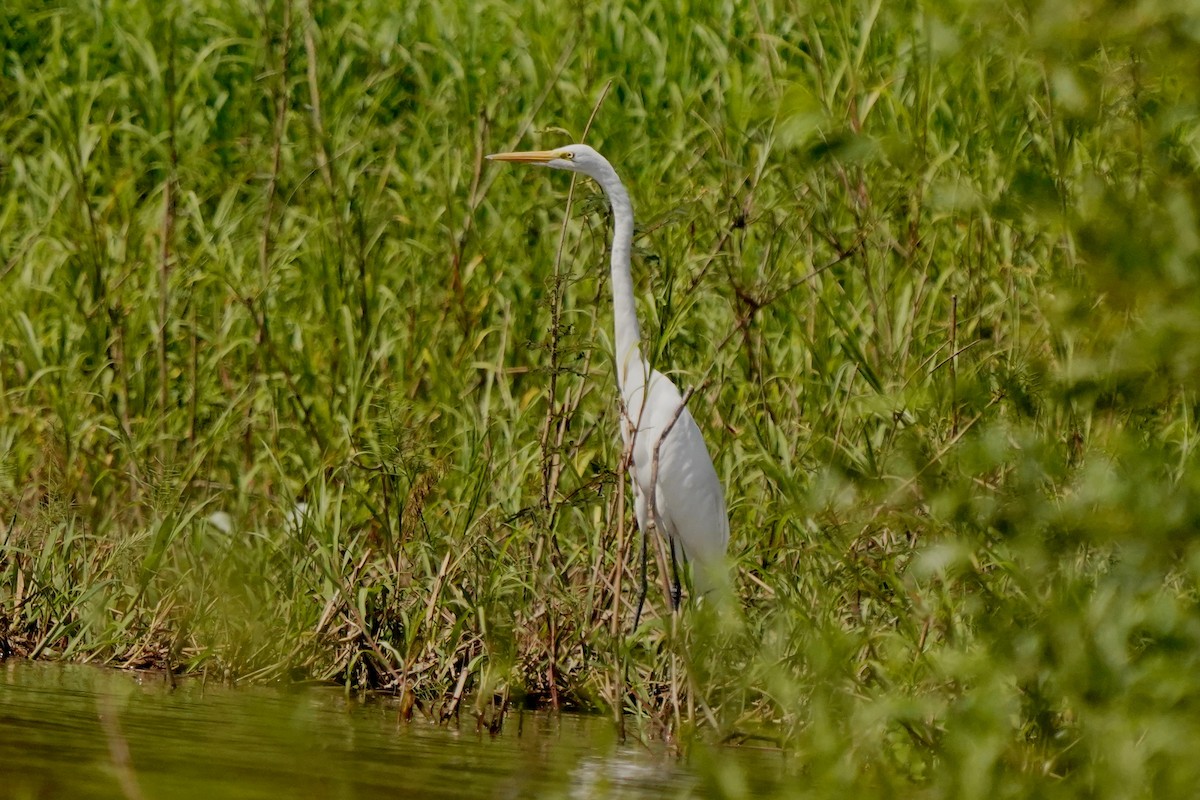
[{"x": 689, "y": 507}]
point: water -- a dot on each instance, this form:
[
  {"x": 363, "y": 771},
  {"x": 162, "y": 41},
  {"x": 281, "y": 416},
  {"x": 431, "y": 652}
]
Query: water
[{"x": 82, "y": 732}]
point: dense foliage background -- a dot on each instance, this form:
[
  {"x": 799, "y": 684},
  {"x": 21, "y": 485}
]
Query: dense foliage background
[{"x": 932, "y": 270}]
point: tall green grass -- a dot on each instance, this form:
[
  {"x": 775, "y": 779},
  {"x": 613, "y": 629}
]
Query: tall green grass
[{"x": 932, "y": 271}]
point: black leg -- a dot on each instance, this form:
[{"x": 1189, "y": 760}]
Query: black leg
[
  {"x": 637, "y": 616},
  {"x": 676, "y": 590}
]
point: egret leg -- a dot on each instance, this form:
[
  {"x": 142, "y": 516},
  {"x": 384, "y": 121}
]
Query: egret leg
[
  {"x": 676, "y": 590},
  {"x": 637, "y": 615}
]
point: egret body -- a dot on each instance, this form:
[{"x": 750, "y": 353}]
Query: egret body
[{"x": 689, "y": 505}]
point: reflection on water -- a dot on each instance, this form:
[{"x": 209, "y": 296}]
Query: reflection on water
[{"x": 74, "y": 731}]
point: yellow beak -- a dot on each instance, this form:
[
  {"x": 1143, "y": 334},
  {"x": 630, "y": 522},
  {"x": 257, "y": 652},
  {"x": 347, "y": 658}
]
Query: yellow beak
[{"x": 528, "y": 157}]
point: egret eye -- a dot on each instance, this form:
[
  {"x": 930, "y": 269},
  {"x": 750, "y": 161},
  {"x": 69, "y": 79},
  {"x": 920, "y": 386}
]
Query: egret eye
[{"x": 567, "y": 155}]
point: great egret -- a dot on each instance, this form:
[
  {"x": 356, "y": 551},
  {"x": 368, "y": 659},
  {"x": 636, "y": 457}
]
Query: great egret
[{"x": 689, "y": 503}]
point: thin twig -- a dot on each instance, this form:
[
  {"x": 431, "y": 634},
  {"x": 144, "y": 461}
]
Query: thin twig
[
  {"x": 280, "y": 123},
  {"x": 167, "y": 234}
]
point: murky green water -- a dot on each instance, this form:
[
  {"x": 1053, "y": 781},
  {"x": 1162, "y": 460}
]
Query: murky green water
[{"x": 80, "y": 732}]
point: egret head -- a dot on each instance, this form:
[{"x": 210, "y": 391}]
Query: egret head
[{"x": 573, "y": 157}]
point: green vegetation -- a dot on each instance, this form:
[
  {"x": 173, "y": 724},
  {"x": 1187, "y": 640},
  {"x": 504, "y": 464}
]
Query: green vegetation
[{"x": 934, "y": 274}]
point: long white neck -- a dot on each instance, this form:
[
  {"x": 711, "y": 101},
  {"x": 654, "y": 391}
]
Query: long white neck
[{"x": 628, "y": 334}]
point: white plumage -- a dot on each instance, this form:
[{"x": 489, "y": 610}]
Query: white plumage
[{"x": 689, "y": 498}]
